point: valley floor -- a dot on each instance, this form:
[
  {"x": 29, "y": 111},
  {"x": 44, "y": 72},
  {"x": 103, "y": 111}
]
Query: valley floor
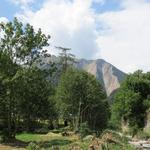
[
  {"x": 51, "y": 140},
  {"x": 45, "y": 141}
]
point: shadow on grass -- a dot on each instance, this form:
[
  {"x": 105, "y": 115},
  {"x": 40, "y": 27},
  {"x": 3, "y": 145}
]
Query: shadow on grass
[
  {"x": 15, "y": 143},
  {"x": 55, "y": 142},
  {"x": 43, "y": 144}
]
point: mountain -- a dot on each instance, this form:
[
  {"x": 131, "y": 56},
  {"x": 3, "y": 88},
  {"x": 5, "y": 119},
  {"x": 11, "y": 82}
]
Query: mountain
[
  {"x": 106, "y": 73},
  {"x": 110, "y": 76}
]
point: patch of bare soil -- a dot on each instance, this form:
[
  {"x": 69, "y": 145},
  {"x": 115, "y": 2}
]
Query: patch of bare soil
[
  {"x": 15, "y": 145},
  {"x": 7, "y": 147}
]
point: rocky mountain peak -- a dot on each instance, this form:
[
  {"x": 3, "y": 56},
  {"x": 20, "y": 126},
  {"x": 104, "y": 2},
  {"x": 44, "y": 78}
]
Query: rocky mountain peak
[
  {"x": 109, "y": 75},
  {"x": 106, "y": 73}
]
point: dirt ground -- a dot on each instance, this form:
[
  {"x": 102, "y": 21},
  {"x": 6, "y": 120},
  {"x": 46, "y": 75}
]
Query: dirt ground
[{"x": 10, "y": 147}]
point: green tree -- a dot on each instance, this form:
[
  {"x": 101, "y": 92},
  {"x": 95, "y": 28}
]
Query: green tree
[
  {"x": 7, "y": 103},
  {"x": 34, "y": 93},
  {"x": 21, "y": 43},
  {"x": 20, "y": 46},
  {"x": 132, "y": 100},
  {"x": 81, "y": 98},
  {"x": 66, "y": 59}
]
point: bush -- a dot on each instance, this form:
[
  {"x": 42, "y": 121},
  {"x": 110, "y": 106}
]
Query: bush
[
  {"x": 143, "y": 135},
  {"x": 84, "y": 130},
  {"x": 61, "y": 130},
  {"x": 43, "y": 130},
  {"x": 7, "y": 136},
  {"x": 133, "y": 130},
  {"x": 115, "y": 136},
  {"x": 33, "y": 146}
]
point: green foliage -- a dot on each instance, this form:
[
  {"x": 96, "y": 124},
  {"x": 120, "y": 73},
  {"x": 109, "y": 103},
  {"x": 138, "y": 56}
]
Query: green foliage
[
  {"x": 20, "y": 48},
  {"x": 66, "y": 59},
  {"x": 143, "y": 135},
  {"x": 33, "y": 92},
  {"x": 118, "y": 147},
  {"x": 84, "y": 130},
  {"x": 43, "y": 130},
  {"x": 21, "y": 43},
  {"x": 132, "y": 101},
  {"x": 33, "y": 146},
  {"x": 80, "y": 98}
]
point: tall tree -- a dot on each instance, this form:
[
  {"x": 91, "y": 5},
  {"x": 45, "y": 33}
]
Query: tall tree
[
  {"x": 19, "y": 45},
  {"x": 7, "y": 103},
  {"x": 131, "y": 102},
  {"x": 33, "y": 92},
  {"x": 81, "y": 98},
  {"x": 66, "y": 59}
]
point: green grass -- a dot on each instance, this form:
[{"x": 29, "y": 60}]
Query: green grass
[
  {"x": 121, "y": 147},
  {"x": 28, "y": 137},
  {"x": 143, "y": 135},
  {"x": 48, "y": 140}
]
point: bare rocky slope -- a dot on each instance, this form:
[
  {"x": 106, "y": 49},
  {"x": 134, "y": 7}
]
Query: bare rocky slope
[
  {"x": 106, "y": 73},
  {"x": 110, "y": 76}
]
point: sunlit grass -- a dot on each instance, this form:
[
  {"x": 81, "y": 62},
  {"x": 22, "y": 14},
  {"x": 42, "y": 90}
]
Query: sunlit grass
[
  {"x": 50, "y": 139},
  {"x": 28, "y": 137}
]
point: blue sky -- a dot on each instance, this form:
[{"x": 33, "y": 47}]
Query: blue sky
[
  {"x": 109, "y": 5},
  {"x": 115, "y": 30},
  {"x": 9, "y": 9}
]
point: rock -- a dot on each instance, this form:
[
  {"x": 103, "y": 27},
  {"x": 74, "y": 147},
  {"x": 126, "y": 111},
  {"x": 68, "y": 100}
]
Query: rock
[{"x": 109, "y": 75}]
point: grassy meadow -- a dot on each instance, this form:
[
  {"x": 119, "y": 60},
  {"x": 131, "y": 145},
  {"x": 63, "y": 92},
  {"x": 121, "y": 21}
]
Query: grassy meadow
[{"x": 51, "y": 140}]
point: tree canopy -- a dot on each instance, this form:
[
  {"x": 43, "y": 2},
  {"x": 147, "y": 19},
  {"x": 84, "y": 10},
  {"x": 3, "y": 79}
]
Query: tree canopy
[
  {"x": 23, "y": 88},
  {"x": 81, "y": 98},
  {"x": 132, "y": 100}
]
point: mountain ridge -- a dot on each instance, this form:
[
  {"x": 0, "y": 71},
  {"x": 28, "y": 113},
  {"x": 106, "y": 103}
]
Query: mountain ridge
[
  {"x": 109, "y": 75},
  {"x": 106, "y": 73}
]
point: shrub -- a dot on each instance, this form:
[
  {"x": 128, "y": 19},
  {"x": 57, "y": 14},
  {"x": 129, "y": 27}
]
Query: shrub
[
  {"x": 84, "y": 130},
  {"x": 33, "y": 146},
  {"x": 43, "y": 130},
  {"x": 6, "y": 136},
  {"x": 143, "y": 135}
]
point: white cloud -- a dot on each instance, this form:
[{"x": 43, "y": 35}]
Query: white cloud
[
  {"x": 71, "y": 24},
  {"x": 123, "y": 40},
  {"x": 3, "y": 19}
]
